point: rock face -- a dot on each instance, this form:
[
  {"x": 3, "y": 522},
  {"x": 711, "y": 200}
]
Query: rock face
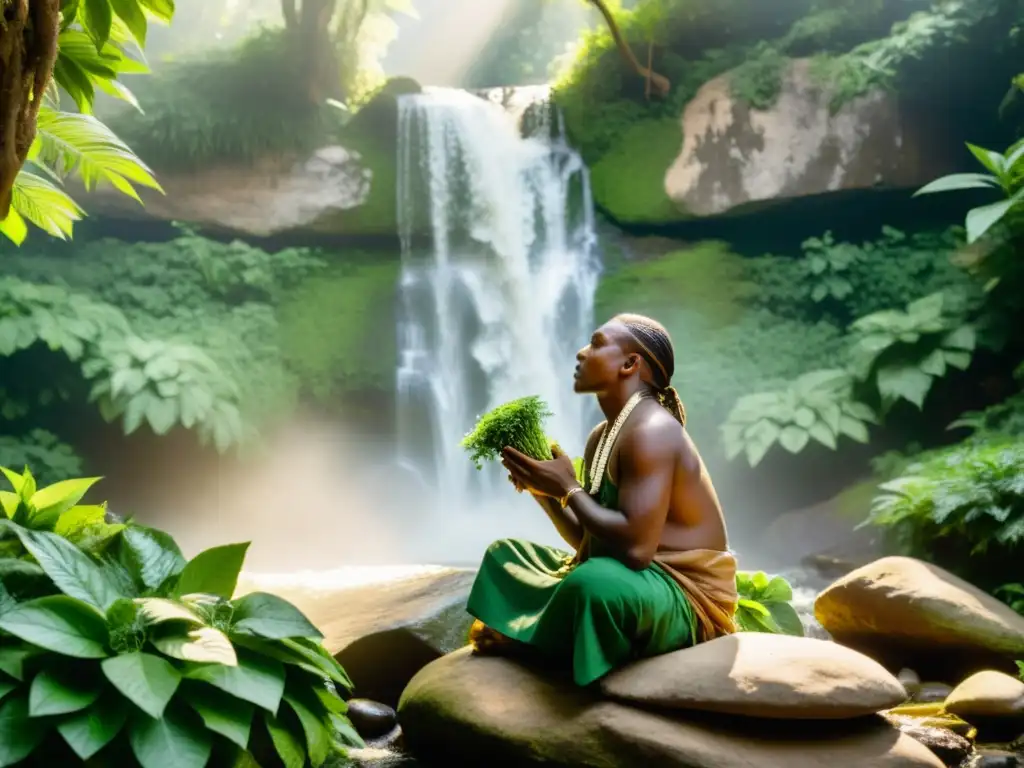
[
  {"x": 904, "y": 612},
  {"x": 383, "y": 634},
  {"x": 734, "y": 155},
  {"x": 475, "y": 710},
  {"x": 761, "y": 675},
  {"x": 268, "y": 198}
]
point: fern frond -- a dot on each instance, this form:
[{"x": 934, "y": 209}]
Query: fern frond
[
  {"x": 71, "y": 142},
  {"x": 44, "y": 204}
]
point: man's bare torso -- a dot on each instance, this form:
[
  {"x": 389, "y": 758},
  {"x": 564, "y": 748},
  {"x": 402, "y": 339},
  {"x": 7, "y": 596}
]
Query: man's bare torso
[{"x": 694, "y": 519}]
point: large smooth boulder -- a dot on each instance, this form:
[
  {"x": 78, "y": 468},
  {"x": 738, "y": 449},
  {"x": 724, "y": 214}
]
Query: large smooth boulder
[
  {"x": 384, "y": 633},
  {"x": 734, "y": 155},
  {"x": 905, "y": 612},
  {"x": 275, "y": 195},
  {"x": 761, "y": 675},
  {"x": 473, "y": 710},
  {"x": 987, "y": 694}
]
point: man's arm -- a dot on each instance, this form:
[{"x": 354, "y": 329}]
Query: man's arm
[
  {"x": 646, "y": 464},
  {"x": 564, "y": 520}
]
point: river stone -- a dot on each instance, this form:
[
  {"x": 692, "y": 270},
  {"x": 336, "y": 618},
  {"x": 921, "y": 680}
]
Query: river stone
[
  {"x": 987, "y": 694},
  {"x": 371, "y": 718},
  {"x": 905, "y": 612},
  {"x": 472, "y": 710},
  {"x": 734, "y": 156},
  {"x": 761, "y": 675}
]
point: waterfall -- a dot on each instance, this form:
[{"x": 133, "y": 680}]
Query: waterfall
[{"x": 499, "y": 270}]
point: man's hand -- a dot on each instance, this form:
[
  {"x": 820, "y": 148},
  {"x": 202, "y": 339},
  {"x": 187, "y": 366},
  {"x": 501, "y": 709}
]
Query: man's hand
[{"x": 553, "y": 478}]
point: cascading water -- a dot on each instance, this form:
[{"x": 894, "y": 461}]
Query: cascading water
[{"x": 498, "y": 278}]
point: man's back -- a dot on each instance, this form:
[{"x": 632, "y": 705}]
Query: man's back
[{"x": 694, "y": 519}]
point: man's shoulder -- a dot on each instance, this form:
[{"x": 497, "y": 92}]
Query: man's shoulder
[{"x": 656, "y": 432}]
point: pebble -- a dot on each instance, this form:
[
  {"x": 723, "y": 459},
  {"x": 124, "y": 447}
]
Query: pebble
[{"x": 371, "y": 718}]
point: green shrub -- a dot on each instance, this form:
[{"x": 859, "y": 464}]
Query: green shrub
[
  {"x": 235, "y": 105},
  {"x": 970, "y": 497},
  {"x": 817, "y": 406},
  {"x": 842, "y": 280},
  {"x": 42, "y": 449},
  {"x": 765, "y": 605},
  {"x": 902, "y": 353},
  {"x": 758, "y": 80},
  {"x": 134, "y": 655}
]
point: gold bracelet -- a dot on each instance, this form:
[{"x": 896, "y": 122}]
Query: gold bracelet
[{"x": 565, "y": 499}]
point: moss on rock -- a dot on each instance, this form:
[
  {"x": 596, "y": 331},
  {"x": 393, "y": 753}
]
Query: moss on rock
[{"x": 628, "y": 182}]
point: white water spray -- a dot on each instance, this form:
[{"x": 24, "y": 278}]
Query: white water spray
[{"x": 498, "y": 280}]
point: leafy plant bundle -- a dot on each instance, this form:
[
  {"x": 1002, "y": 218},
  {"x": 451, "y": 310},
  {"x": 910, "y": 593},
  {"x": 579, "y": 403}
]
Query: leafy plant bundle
[
  {"x": 765, "y": 605},
  {"x": 120, "y": 652},
  {"x": 519, "y": 424},
  {"x": 972, "y": 494}
]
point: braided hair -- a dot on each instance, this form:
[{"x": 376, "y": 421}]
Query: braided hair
[{"x": 655, "y": 346}]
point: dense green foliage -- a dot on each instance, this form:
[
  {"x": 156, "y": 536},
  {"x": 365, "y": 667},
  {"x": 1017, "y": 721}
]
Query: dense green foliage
[
  {"x": 218, "y": 338},
  {"x": 518, "y": 423},
  {"x": 238, "y": 105},
  {"x": 765, "y": 605},
  {"x": 956, "y": 504},
  {"x": 114, "y": 648}
]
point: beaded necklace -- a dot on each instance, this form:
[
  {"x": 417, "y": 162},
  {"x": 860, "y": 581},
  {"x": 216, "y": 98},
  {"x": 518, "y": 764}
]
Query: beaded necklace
[{"x": 607, "y": 441}]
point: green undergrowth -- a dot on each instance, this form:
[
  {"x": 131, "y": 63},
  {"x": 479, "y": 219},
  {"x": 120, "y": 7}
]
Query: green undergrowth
[
  {"x": 233, "y": 106},
  {"x": 629, "y": 181},
  {"x": 117, "y": 650},
  {"x": 220, "y": 339}
]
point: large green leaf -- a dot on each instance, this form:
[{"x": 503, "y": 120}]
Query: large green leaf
[
  {"x": 907, "y": 382},
  {"x": 61, "y": 692},
  {"x": 222, "y": 713},
  {"x": 290, "y": 652},
  {"x": 53, "y": 500},
  {"x": 158, "y": 610},
  {"x": 959, "y": 181},
  {"x": 270, "y": 617},
  {"x": 778, "y": 590},
  {"x": 148, "y": 681},
  {"x": 318, "y": 737},
  {"x": 19, "y": 733},
  {"x": 786, "y": 618},
  {"x": 176, "y": 740},
  {"x": 61, "y": 624},
  {"x": 214, "y": 571},
  {"x": 131, "y": 13},
  {"x": 13, "y": 657},
  {"x": 151, "y": 555},
  {"x": 91, "y": 730},
  {"x": 344, "y": 730},
  {"x": 203, "y": 645},
  {"x": 981, "y": 219},
  {"x": 256, "y": 680},
  {"x": 70, "y": 569},
  {"x": 287, "y": 743},
  {"x": 44, "y": 204}
]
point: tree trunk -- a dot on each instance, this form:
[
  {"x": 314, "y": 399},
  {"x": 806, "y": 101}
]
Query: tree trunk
[
  {"x": 28, "y": 50},
  {"x": 657, "y": 84},
  {"x": 310, "y": 28}
]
